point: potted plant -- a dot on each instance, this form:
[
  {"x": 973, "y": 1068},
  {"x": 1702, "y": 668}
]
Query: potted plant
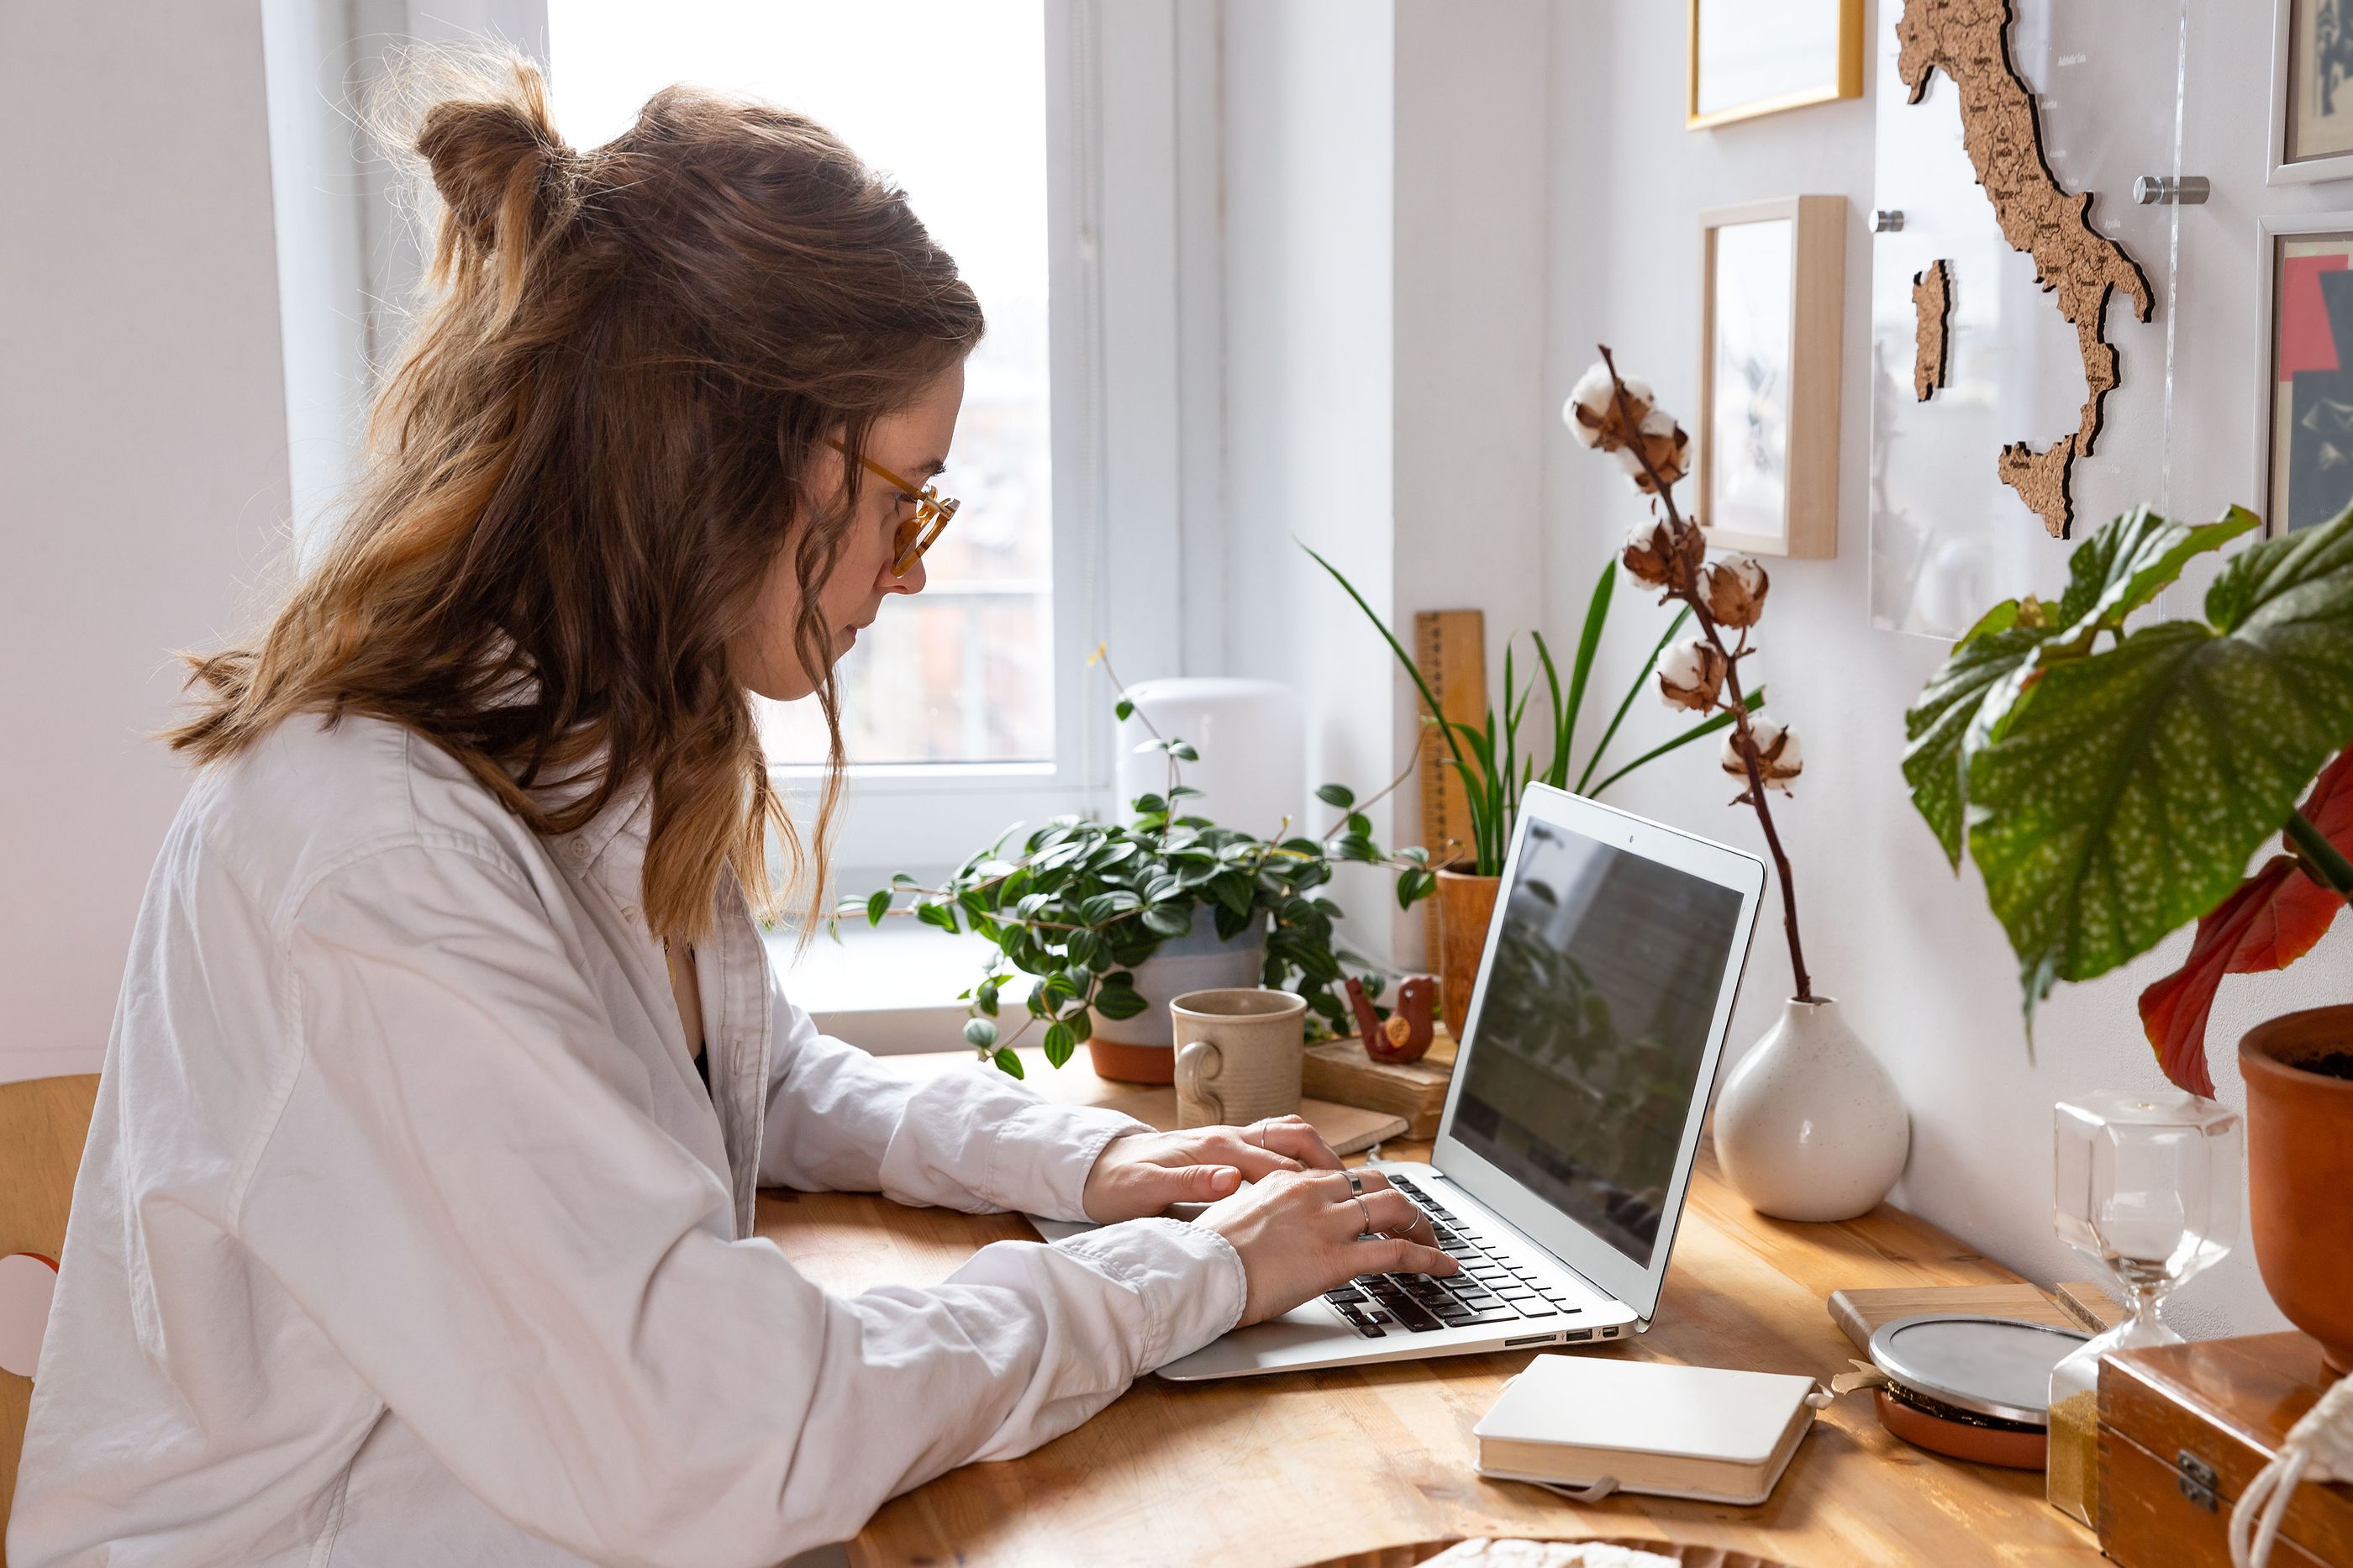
[
  {"x": 1808, "y": 1125},
  {"x": 1493, "y": 772},
  {"x": 2113, "y": 786},
  {"x": 1086, "y": 908}
]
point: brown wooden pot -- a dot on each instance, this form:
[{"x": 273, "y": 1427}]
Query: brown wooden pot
[
  {"x": 1466, "y": 904},
  {"x": 2300, "y": 1169}
]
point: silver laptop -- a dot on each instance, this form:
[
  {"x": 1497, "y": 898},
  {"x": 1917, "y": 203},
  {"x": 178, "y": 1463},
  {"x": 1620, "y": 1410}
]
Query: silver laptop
[{"x": 1565, "y": 1148}]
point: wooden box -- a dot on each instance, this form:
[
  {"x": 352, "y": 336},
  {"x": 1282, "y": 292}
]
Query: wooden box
[
  {"x": 1340, "y": 1071},
  {"x": 2183, "y": 1429}
]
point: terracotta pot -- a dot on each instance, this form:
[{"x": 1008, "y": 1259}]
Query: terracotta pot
[
  {"x": 2299, "y": 1170},
  {"x": 1466, "y": 906},
  {"x": 1142, "y": 1050}
]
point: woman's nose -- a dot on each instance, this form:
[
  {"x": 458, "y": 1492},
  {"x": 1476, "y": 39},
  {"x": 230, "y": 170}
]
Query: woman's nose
[{"x": 911, "y": 580}]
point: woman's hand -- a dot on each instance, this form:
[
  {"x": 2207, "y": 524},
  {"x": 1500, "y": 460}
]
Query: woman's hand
[
  {"x": 1142, "y": 1173},
  {"x": 1302, "y": 1233}
]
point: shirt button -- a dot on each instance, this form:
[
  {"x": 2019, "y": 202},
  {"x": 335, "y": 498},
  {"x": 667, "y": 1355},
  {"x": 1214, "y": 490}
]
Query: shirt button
[{"x": 576, "y": 848}]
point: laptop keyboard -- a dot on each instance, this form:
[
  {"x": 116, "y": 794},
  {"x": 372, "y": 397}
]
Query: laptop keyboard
[{"x": 1491, "y": 1289}]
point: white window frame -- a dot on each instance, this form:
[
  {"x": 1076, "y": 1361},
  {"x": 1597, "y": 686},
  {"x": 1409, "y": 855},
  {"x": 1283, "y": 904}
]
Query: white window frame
[
  {"x": 1117, "y": 381},
  {"x": 1135, "y": 346}
]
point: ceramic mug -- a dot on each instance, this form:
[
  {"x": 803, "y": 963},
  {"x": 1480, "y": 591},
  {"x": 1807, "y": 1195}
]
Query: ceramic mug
[{"x": 1239, "y": 1054}]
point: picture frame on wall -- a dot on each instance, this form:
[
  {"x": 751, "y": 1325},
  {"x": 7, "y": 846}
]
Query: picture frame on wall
[
  {"x": 1772, "y": 274},
  {"x": 1759, "y": 57},
  {"x": 2304, "y": 406},
  {"x": 2312, "y": 91}
]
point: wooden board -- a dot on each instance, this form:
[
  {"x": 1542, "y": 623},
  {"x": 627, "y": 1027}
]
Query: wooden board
[
  {"x": 1862, "y": 1313},
  {"x": 2227, "y": 1404},
  {"x": 1340, "y": 1071},
  {"x": 1450, "y": 650},
  {"x": 1281, "y": 1471}
]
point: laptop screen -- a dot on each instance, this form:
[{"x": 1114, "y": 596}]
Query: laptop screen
[{"x": 1595, "y": 1015}]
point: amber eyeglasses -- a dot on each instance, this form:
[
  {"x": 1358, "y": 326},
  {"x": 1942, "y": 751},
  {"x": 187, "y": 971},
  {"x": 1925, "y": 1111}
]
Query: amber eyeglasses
[{"x": 918, "y": 532}]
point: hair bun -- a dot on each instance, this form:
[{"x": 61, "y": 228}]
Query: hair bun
[{"x": 497, "y": 160}]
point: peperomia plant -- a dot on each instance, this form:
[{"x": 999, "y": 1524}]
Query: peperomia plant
[
  {"x": 2113, "y": 786},
  {"x": 1077, "y": 904}
]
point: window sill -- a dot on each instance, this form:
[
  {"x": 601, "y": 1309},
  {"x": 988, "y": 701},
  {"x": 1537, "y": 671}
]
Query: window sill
[{"x": 891, "y": 990}]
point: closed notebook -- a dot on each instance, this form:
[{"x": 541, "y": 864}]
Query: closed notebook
[{"x": 1647, "y": 1426}]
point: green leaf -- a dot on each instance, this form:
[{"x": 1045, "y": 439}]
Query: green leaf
[
  {"x": 1708, "y": 726},
  {"x": 1414, "y": 886},
  {"x": 1939, "y": 722},
  {"x": 1184, "y": 752},
  {"x": 937, "y": 912},
  {"x": 2129, "y": 562},
  {"x": 1405, "y": 659},
  {"x": 1116, "y": 1000},
  {"x": 1007, "y": 1062},
  {"x": 1634, "y": 688},
  {"x": 1169, "y": 920},
  {"x": 900, "y": 879},
  {"x": 1589, "y": 645},
  {"x": 979, "y": 1033},
  {"x": 1358, "y": 823},
  {"x": 1080, "y": 1026},
  {"x": 1340, "y": 798},
  {"x": 1124, "y": 708},
  {"x": 1150, "y": 805},
  {"x": 984, "y": 997},
  {"x": 1059, "y": 1043},
  {"x": 2119, "y": 796}
]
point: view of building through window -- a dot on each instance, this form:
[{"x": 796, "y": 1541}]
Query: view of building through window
[{"x": 948, "y": 99}]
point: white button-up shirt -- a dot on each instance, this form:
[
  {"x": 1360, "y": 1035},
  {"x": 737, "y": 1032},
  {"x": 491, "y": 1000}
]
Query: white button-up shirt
[{"x": 407, "y": 1234}]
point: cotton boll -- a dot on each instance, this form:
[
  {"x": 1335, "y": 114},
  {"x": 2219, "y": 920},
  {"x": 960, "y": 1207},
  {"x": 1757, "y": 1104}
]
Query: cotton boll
[{"x": 1691, "y": 674}]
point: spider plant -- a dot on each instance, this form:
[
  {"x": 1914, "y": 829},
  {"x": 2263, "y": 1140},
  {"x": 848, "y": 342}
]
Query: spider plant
[{"x": 1488, "y": 757}]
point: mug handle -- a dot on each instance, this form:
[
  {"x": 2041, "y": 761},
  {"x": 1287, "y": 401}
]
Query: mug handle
[{"x": 1197, "y": 1066}]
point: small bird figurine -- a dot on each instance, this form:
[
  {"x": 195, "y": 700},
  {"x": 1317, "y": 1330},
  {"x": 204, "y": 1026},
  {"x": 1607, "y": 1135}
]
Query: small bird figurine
[{"x": 1404, "y": 1036}]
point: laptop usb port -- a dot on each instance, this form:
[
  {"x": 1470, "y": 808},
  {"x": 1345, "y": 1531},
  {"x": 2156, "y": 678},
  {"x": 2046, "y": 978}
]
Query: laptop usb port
[
  {"x": 1535, "y": 1340},
  {"x": 1577, "y": 1334}
]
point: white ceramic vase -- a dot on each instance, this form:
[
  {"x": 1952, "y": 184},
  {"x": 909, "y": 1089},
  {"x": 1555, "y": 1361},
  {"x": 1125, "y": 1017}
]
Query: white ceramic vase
[{"x": 1810, "y": 1126}]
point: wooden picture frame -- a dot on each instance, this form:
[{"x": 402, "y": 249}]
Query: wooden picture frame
[
  {"x": 2293, "y": 25},
  {"x": 1837, "y": 74},
  {"x": 1768, "y": 467},
  {"x": 2319, "y": 237}
]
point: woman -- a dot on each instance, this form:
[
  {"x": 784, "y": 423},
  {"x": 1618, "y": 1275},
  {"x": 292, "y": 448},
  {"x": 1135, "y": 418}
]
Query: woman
[{"x": 414, "y": 1225}]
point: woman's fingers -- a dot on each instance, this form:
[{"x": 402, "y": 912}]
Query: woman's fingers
[
  {"x": 1390, "y": 1211},
  {"x": 1292, "y": 1136},
  {"x": 1239, "y": 1147},
  {"x": 1392, "y": 1255}
]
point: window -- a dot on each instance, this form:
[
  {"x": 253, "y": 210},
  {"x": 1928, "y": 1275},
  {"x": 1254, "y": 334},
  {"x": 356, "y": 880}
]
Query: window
[{"x": 948, "y": 98}]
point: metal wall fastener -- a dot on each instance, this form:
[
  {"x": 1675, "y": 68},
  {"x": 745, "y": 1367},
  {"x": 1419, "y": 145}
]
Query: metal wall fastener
[{"x": 2168, "y": 190}]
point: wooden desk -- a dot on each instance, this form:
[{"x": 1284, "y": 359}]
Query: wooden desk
[{"x": 1284, "y": 1471}]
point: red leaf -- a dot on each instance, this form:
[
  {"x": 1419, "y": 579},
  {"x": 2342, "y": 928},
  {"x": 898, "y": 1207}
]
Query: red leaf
[{"x": 2271, "y": 919}]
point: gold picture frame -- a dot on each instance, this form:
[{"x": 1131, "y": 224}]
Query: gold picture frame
[
  {"x": 1768, "y": 467},
  {"x": 1839, "y": 73}
]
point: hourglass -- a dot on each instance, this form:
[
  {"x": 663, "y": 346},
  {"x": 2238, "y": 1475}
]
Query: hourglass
[{"x": 2149, "y": 1188}]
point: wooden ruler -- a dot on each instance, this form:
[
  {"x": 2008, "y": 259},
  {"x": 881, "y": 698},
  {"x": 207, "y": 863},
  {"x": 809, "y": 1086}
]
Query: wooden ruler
[{"x": 1450, "y": 648}]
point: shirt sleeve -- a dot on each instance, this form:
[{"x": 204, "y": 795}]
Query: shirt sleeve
[
  {"x": 460, "y": 1188},
  {"x": 839, "y": 1120}
]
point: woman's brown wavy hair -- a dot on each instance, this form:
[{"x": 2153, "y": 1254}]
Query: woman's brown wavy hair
[{"x": 603, "y": 430}]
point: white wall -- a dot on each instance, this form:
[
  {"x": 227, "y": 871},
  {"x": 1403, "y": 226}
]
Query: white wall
[
  {"x": 1914, "y": 955},
  {"x": 1384, "y": 291},
  {"x": 142, "y": 458},
  {"x": 1309, "y": 433}
]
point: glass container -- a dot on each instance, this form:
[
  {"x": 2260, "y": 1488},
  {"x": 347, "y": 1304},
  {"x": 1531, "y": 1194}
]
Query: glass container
[{"x": 2148, "y": 1187}]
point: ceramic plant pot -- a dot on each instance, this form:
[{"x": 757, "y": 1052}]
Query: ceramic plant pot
[
  {"x": 1142, "y": 1050},
  {"x": 1810, "y": 1126},
  {"x": 2300, "y": 1168},
  {"x": 1466, "y": 904}
]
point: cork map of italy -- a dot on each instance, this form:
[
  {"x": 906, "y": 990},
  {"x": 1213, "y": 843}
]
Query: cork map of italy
[{"x": 1969, "y": 40}]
